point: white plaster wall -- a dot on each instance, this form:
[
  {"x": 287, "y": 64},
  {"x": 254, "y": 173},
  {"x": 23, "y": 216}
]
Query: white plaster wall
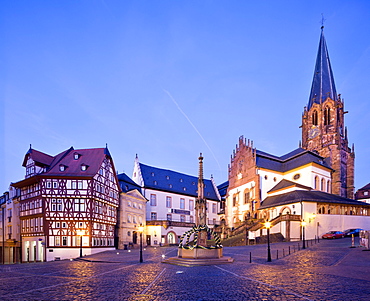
[
  {"x": 273, "y": 178},
  {"x": 69, "y": 253}
]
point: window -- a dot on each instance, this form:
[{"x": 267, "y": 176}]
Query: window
[
  {"x": 53, "y": 205},
  {"x": 48, "y": 184},
  {"x": 169, "y": 217},
  {"x": 191, "y": 219},
  {"x": 167, "y": 177},
  {"x": 64, "y": 225},
  {"x": 246, "y": 197},
  {"x": 64, "y": 240},
  {"x": 55, "y": 184},
  {"x": 366, "y": 193},
  {"x": 182, "y": 218},
  {"x": 60, "y": 205},
  {"x": 83, "y": 167},
  {"x": 153, "y": 200},
  {"x": 79, "y": 205},
  {"x": 168, "y": 202},
  {"x": 314, "y": 117},
  {"x": 214, "y": 208},
  {"x": 57, "y": 240},
  {"x": 234, "y": 201},
  {"x": 182, "y": 203},
  {"x": 327, "y": 116},
  {"x": 76, "y": 156},
  {"x": 191, "y": 205},
  {"x": 153, "y": 216},
  {"x": 316, "y": 182},
  {"x": 322, "y": 185},
  {"x": 62, "y": 167},
  {"x": 129, "y": 218}
]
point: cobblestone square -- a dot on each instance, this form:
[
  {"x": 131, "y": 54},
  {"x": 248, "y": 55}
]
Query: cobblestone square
[{"x": 328, "y": 270}]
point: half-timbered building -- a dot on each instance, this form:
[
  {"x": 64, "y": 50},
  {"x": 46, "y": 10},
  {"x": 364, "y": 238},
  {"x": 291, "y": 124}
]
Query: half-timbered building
[{"x": 68, "y": 203}]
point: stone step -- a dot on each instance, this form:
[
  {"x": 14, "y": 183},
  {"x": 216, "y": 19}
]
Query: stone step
[{"x": 189, "y": 262}]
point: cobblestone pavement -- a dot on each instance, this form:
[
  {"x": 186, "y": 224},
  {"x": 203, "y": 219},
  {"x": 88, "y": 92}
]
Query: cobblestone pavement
[{"x": 328, "y": 270}]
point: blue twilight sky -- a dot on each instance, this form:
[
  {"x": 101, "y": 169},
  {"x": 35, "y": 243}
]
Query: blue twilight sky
[{"x": 169, "y": 79}]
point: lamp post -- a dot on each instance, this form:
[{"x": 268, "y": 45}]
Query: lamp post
[
  {"x": 303, "y": 224},
  {"x": 80, "y": 233},
  {"x": 141, "y": 229},
  {"x": 268, "y": 226}
]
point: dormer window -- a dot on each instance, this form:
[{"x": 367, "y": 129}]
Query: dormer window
[
  {"x": 76, "y": 156},
  {"x": 62, "y": 167},
  {"x": 167, "y": 177},
  {"x": 84, "y": 167},
  {"x": 152, "y": 174}
]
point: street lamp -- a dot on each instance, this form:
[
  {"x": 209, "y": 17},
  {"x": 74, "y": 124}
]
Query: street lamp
[
  {"x": 268, "y": 226},
  {"x": 141, "y": 229},
  {"x": 303, "y": 224},
  {"x": 80, "y": 233}
]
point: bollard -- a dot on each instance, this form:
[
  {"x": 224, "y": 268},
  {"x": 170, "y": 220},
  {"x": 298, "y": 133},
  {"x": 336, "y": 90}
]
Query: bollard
[
  {"x": 293, "y": 249},
  {"x": 353, "y": 242},
  {"x": 250, "y": 257},
  {"x": 277, "y": 254},
  {"x": 289, "y": 250},
  {"x": 283, "y": 253},
  {"x": 299, "y": 248}
]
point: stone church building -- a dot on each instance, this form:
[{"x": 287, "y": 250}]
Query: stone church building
[{"x": 313, "y": 184}]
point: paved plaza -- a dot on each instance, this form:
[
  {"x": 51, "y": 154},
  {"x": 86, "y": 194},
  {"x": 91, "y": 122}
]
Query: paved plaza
[{"x": 328, "y": 270}]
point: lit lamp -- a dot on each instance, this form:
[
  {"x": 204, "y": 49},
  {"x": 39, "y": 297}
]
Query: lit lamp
[
  {"x": 303, "y": 224},
  {"x": 268, "y": 226},
  {"x": 141, "y": 229},
  {"x": 80, "y": 233}
]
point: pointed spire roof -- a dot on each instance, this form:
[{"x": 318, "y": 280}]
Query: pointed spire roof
[{"x": 323, "y": 85}]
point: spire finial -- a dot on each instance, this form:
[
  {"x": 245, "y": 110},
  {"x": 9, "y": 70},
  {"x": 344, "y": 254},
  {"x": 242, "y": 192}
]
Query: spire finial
[{"x": 322, "y": 21}]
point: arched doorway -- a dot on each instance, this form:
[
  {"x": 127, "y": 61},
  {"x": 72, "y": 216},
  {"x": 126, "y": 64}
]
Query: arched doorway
[{"x": 171, "y": 238}]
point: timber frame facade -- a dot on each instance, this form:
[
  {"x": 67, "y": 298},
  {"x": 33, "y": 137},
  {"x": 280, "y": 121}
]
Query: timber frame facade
[{"x": 68, "y": 204}]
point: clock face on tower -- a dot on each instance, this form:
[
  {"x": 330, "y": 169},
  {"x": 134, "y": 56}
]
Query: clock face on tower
[{"x": 312, "y": 133}]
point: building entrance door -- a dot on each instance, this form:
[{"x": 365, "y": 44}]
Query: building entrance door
[{"x": 148, "y": 240}]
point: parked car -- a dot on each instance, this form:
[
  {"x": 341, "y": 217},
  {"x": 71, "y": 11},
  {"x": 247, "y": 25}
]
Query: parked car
[
  {"x": 333, "y": 234},
  {"x": 349, "y": 232}
]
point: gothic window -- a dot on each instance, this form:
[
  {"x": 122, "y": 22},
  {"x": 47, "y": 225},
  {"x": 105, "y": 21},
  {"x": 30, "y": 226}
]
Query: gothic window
[
  {"x": 314, "y": 118},
  {"x": 327, "y": 116},
  {"x": 322, "y": 185},
  {"x": 328, "y": 186}
]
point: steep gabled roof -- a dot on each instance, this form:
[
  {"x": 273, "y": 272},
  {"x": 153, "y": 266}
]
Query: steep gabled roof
[
  {"x": 222, "y": 188},
  {"x": 176, "y": 182},
  {"x": 40, "y": 158},
  {"x": 307, "y": 196},
  {"x": 323, "y": 85},
  {"x": 366, "y": 187},
  {"x": 91, "y": 158},
  {"x": 294, "y": 159}
]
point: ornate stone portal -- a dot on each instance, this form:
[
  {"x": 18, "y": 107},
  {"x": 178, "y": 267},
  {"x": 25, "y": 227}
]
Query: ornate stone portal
[{"x": 200, "y": 245}]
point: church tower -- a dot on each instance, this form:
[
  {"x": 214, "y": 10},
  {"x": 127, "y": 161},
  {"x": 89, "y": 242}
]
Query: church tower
[{"x": 323, "y": 128}]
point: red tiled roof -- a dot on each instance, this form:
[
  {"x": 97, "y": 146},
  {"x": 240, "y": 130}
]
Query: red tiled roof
[
  {"x": 38, "y": 157},
  {"x": 92, "y": 158}
]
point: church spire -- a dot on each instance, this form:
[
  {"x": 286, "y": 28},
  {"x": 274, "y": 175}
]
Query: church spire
[{"x": 323, "y": 85}]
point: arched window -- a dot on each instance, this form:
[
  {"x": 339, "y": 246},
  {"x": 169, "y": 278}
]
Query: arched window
[
  {"x": 327, "y": 116},
  {"x": 328, "y": 190},
  {"x": 316, "y": 183},
  {"x": 314, "y": 118},
  {"x": 322, "y": 185}
]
